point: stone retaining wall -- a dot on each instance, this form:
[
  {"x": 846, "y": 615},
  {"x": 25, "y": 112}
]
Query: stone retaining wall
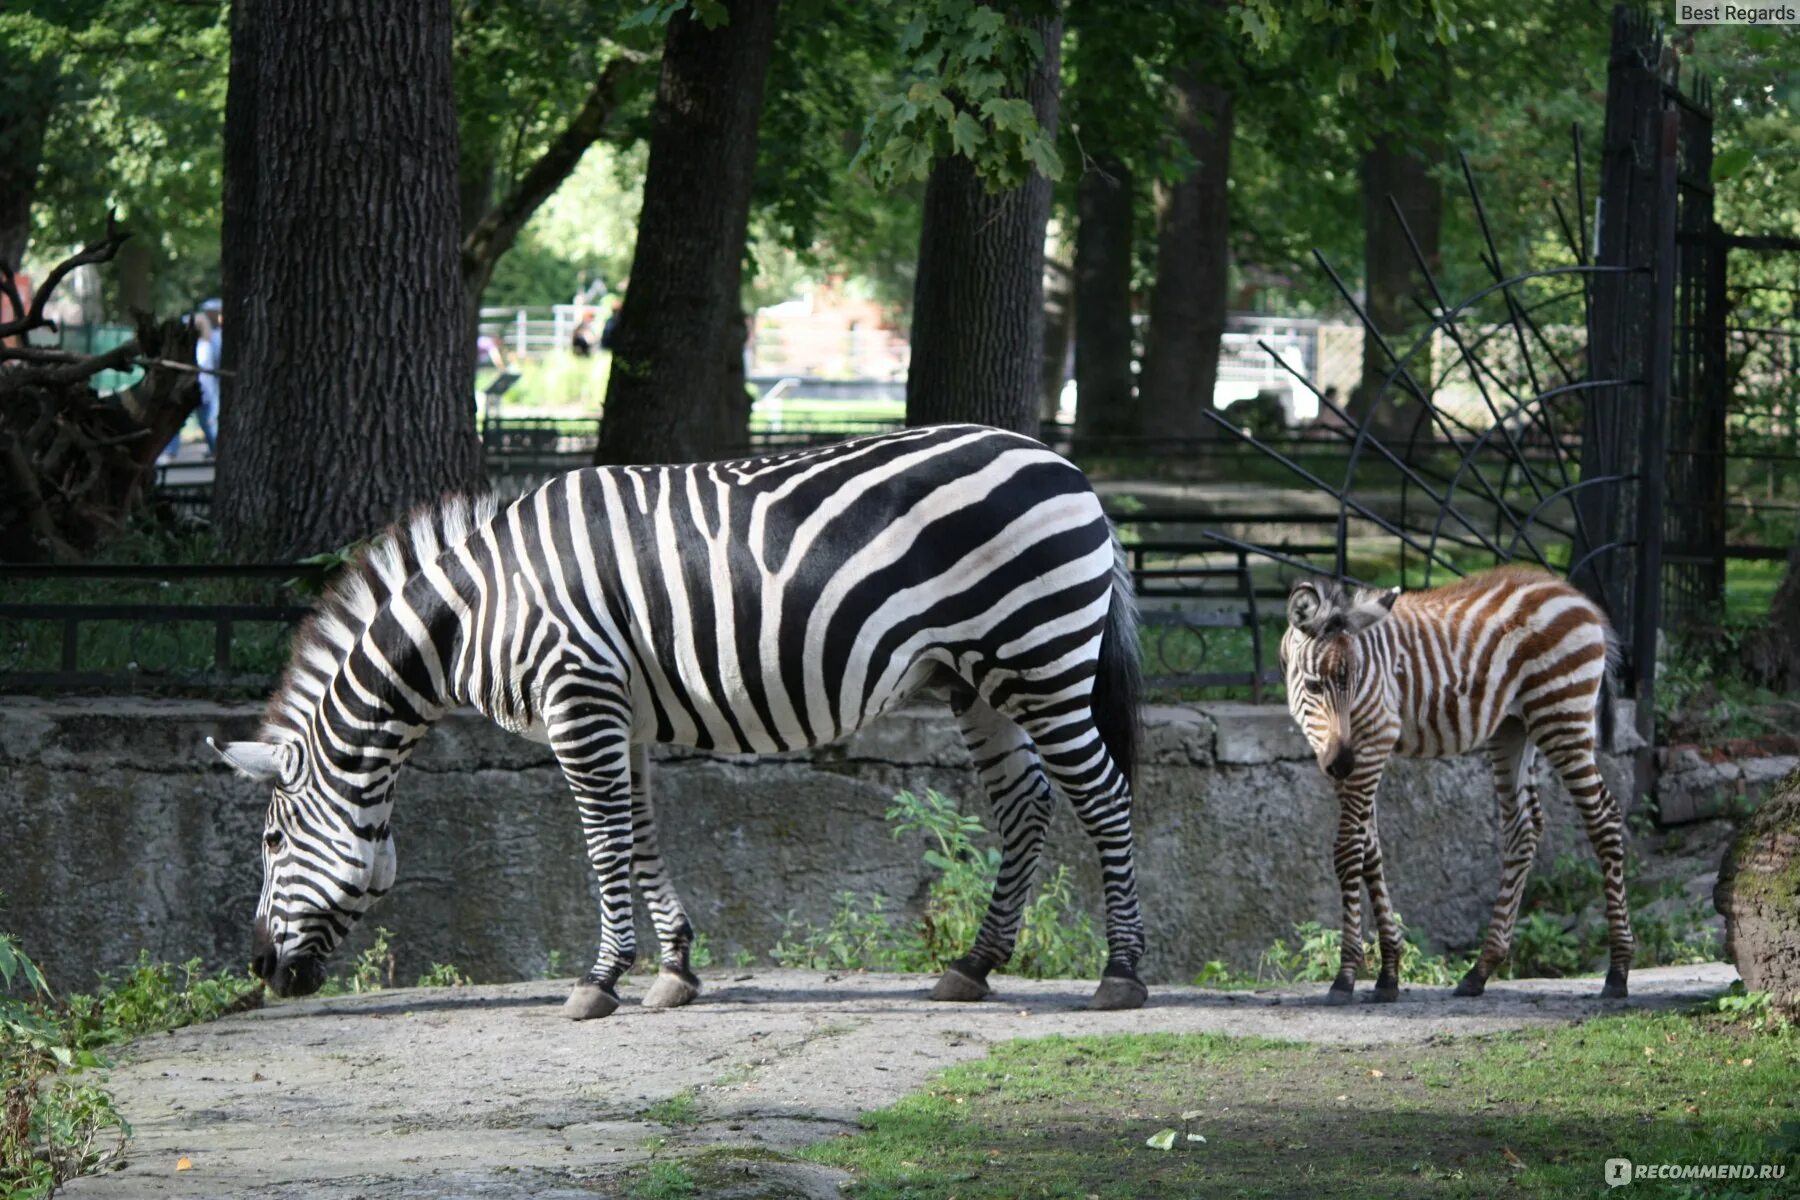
[{"x": 119, "y": 830}]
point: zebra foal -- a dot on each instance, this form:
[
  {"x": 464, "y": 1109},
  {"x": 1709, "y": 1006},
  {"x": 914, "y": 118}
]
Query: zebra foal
[
  {"x": 750, "y": 606},
  {"x": 1513, "y": 659}
]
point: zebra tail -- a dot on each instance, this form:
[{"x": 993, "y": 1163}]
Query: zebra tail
[
  {"x": 1609, "y": 716},
  {"x": 1118, "y": 682}
]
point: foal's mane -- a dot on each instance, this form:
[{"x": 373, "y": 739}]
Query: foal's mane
[{"x": 380, "y": 567}]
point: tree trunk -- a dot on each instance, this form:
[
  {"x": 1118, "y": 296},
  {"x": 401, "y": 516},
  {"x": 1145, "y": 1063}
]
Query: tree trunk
[
  {"x": 1106, "y": 405},
  {"x": 978, "y": 300},
  {"x": 29, "y": 95},
  {"x": 1759, "y": 894},
  {"x": 674, "y": 394},
  {"x": 1193, "y": 258},
  {"x": 1399, "y": 163},
  {"x": 354, "y": 396},
  {"x": 241, "y": 160}
]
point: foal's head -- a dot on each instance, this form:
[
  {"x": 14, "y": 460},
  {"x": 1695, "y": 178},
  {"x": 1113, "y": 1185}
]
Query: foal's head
[{"x": 1323, "y": 665}]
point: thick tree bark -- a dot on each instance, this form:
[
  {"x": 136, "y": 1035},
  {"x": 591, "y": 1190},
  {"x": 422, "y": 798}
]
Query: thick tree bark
[
  {"x": 239, "y": 235},
  {"x": 354, "y": 391},
  {"x": 1106, "y": 403},
  {"x": 30, "y": 93},
  {"x": 491, "y": 233},
  {"x": 978, "y": 300},
  {"x": 1193, "y": 259},
  {"x": 675, "y": 392},
  {"x": 1399, "y": 163},
  {"x": 1759, "y": 894}
]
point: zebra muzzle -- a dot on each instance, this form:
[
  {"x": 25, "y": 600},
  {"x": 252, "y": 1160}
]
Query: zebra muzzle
[{"x": 289, "y": 977}]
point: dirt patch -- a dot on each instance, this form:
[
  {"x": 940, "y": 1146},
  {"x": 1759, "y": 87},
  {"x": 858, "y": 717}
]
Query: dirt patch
[{"x": 489, "y": 1092}]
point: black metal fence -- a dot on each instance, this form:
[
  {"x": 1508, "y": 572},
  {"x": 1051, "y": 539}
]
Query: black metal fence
[{"x": 186, "y": 630}]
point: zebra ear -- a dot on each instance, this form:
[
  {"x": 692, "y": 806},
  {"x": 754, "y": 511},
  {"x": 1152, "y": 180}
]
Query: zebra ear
[
  {"x": 1369, "y": 608},
  {"x": 1304, "y": 606},
  {"x": 268, "y": 762}
]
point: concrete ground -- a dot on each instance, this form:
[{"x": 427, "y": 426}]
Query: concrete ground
[{"x": 489, "y": 1092}]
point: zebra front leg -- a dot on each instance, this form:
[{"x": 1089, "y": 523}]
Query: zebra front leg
[
  {"x": 1522, "y": 823},
  {"x": 1347, "y": 857},
  {"x": 1020, "y": 797},
  {"x": 1573, "y": 758},
  {"x": 591, "y": 736},
  {"x": 1077, "y": 762},
  {"x": 676, "y": 984},
  {"x": 1387, "y": 981}
]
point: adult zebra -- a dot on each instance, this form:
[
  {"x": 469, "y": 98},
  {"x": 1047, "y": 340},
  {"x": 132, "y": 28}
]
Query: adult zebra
[
  {"x": 756, "y": 605},
  {"x": 1513, "y": 659}
]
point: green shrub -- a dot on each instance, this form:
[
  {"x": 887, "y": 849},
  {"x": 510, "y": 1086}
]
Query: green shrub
[
  {"x": 442, "y": 975},
  {"x": 1057, "y": 938}
]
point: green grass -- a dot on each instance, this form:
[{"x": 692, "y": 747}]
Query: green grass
[
  {"x": 57, "y": 1120},
  {"x": 1533, "y": 1113},
  {"x": 663, "y": 1181},
  {"x": 679, "y": 1109}
]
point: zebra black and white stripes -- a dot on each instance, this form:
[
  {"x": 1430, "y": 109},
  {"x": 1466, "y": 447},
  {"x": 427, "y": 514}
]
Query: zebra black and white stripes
[
  {"x": 749, "y": 606},
  {"x": 1512, "y": 659}
]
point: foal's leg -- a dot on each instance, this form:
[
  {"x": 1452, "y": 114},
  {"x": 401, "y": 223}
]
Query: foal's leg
[
  {"x": 1350, "y": 856},
  {"x": 589, "y": 723},
  {"x": 1571, "y": 752},
  {"x": 675, "y": 984},
  {"x": 1020, "y": 796},
  {"x": 1521, "y": 824},
  {"x": 1387, "y": 926}
]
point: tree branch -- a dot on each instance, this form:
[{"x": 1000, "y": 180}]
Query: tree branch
[
  {"x": 494, "y": 234},
  {"x": 95, "y": 252}
]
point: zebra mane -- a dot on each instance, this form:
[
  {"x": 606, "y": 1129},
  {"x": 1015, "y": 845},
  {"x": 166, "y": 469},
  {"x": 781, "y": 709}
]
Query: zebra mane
[{"x": 381, "y": 567}]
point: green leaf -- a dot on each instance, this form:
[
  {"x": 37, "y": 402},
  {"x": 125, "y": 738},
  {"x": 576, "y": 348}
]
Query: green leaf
[
  {"x": 1732, "y": 162},
  {"x": 966, "y": 135},
  {"x": 1042, "y": 153},
  {"x": 1162, "y": 1139},
  {"x": 986, "y": 22}
]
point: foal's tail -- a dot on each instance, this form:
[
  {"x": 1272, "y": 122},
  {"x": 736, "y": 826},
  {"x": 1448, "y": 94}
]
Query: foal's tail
[{"x": 1118, "y": 681}]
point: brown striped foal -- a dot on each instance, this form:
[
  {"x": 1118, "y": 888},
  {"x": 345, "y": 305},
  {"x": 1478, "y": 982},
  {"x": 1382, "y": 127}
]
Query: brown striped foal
[{"x": 1514, "y": 659}]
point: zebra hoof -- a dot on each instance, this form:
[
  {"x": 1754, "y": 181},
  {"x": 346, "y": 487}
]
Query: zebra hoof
[
  {"x": 1615, "y": 988},
  {"x": 1471, "y": 985},
  {"x": 589, "y": 1001},
  {"x": 958, "y": 985},
  {"x": 1340, "y": 995},
  {"x": 1385, "y": 993},
  {"x": 1118, "y": 992},
  {"x": 672, "y": 989}
]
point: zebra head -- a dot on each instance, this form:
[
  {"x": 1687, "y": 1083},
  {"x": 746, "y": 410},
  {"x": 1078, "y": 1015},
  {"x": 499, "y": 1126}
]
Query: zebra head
[
  {"x": 323, "y": 866},
  {"x": 1320, "y": 661}
]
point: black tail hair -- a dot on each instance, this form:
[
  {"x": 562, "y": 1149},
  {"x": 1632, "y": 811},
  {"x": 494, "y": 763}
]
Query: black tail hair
[
  {"x": 1118, "y": 682},
  {"x": 1609, "y": 679}
]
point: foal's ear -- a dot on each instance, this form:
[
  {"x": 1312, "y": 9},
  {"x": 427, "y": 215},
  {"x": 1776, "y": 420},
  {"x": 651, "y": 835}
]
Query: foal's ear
[
  {"x": 268, "y": 762},
  {"x": 1369, "y": 607},
  {"x": 1305, "y": 605}
]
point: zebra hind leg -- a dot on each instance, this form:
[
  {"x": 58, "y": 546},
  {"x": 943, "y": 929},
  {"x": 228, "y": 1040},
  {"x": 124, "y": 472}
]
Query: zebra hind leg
[
  {"x": 1521, "y": 824},
  {"x": 676, "y": 984},
  {"x": 1574, "y": 760},
  {"x": 1077, "y": 763},
  {"x": 1020, "y": 796}
]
